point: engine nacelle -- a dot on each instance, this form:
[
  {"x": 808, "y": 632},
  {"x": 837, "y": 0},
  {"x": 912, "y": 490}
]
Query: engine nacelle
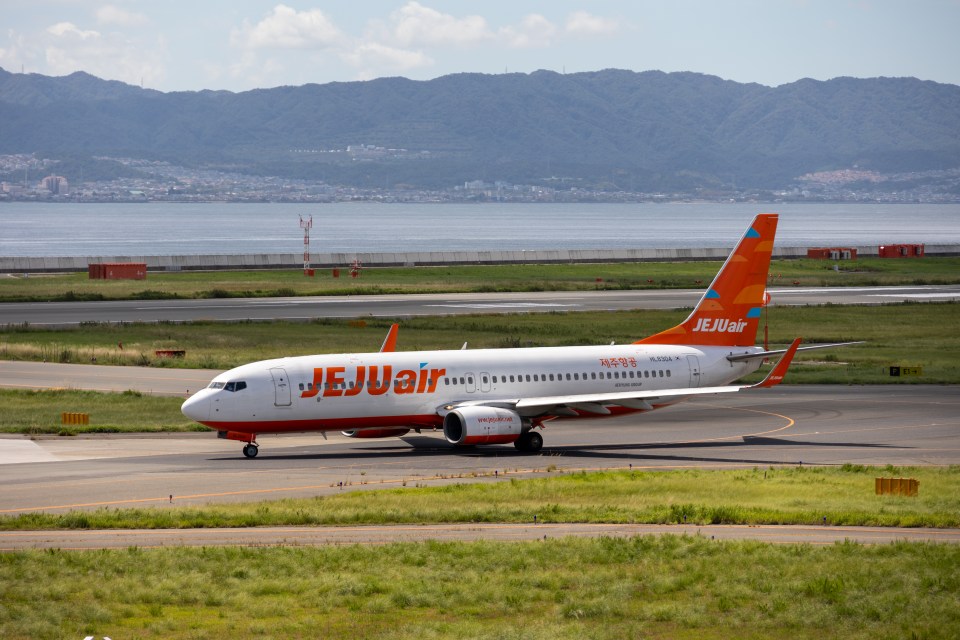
[
  {"x": 482, "y": 425},
  {"x": 379, "y": 432}
]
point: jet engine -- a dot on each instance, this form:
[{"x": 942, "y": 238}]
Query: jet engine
[
  {"x": 482, "y": 425},
  {"x": 379, "y": 432}
]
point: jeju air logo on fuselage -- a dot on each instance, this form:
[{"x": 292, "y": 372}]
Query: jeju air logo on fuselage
[{"x": 374, "y": 380}]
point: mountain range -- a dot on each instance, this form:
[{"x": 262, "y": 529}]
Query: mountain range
[{"x": 609, "y": 129}]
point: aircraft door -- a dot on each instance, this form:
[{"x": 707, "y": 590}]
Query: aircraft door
[
  {"x": 694, "y": 363},
  {"x": 484, "y": 381},
  {"x": 281, "y": 387},
  {"x": 471, "y": 383}
]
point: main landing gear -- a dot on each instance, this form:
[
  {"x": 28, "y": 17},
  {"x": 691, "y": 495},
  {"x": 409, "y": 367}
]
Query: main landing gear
[
  {"x": 529, "y": 442},
  {"x": 250, "y": 450}
]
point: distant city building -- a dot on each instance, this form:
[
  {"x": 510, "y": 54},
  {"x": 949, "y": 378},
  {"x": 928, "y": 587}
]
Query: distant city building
[{"x": 56, "y": 185}]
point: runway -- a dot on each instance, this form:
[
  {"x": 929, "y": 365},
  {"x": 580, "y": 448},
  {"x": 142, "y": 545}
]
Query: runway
[
  {"x": 66, "y": 314},
  {"x": 821, "y": 425}
]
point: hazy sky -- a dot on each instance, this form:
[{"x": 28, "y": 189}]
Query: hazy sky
[{"x": 174, "y": 45}]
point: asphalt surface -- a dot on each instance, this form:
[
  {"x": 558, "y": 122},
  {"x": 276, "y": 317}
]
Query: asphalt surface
[
  {"x": 902, "y": 426},
  {"x": 65, "y": 314},
  {"x": 92, "y": 377},
  {"x": 823, "y": 425}
]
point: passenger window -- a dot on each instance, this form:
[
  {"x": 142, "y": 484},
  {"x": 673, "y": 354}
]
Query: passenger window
[{"x": 668, "y": 373}]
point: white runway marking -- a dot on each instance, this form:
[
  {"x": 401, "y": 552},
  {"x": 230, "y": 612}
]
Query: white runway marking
[
  {"x": 21, "y": 451},
  {"x": 503, "y": 305},
  {"x": 918, "y": 296}
]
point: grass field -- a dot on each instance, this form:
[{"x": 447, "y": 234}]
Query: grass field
[
  {"x": 788, "y": 495},
  {"x": 667, "y": 587},
  {"x": 902, "y": 334},
  {"x": 38, "y": 412},
  {"x": 670, "y": 587},
  {"x": 466, "y": 278}
]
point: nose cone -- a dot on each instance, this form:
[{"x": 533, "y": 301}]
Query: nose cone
[{"x": 197, "y": 407}]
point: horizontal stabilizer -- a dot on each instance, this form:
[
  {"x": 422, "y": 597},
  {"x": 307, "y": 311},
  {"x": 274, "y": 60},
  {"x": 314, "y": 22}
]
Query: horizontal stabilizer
[{"x": 778, "y": 352}]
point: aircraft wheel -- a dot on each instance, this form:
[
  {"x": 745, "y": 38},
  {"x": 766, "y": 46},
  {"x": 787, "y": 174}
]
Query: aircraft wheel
[
  {"x": 529, "y": 442},
  {"x": 534, "y": 442},
  {"x": 251, "y": 450}
]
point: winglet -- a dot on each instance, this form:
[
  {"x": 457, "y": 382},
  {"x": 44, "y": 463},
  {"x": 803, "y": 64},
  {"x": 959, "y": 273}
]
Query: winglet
[
  {"x": 779, "y": 370},
  {"x": 390, "y": 342}
]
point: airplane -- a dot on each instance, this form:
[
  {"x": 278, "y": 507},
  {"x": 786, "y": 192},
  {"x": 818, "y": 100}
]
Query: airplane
[{"x": 504, "y": 396}]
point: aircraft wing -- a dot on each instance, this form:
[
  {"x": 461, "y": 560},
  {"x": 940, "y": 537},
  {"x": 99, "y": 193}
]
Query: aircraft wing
[{"x": 645, "y": 400}]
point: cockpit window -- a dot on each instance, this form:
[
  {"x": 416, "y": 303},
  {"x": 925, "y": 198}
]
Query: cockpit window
[{"x": 233, "y": 385}]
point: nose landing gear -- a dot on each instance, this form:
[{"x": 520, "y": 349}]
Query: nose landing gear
[{"x": 250, "y": 449}]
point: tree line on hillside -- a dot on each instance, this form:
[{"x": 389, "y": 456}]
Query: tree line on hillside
[{"x": 637, "y": 131}]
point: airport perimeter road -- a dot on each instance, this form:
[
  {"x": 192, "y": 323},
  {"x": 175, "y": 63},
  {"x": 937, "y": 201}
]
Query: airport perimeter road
[
  {"x": 313, "y": 536},
  {"x": 63, "y": 314},
  {"x": 91, "y": 377},
  {"x": 789, "y": 425}
]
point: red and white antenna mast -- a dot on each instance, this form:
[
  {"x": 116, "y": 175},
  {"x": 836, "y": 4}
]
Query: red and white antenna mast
[{"x": 306, "y": 226}]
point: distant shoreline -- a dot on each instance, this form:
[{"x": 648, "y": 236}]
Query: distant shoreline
[{"x": 223, "y": 262}]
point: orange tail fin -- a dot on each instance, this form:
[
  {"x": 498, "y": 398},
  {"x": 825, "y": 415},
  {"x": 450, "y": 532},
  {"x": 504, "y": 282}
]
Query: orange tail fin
[{"x": 728, "y": 314}]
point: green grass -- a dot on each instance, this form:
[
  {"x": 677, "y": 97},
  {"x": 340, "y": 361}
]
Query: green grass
[
  {"x": 911, "y": 334},
  {"x": 657, "y": 587},
  {"x": 39, "y": 412},
  {"x": 641, "y": 587},
  {"x": 465, "y": 278},
  {"x": 789, "y": 495}
]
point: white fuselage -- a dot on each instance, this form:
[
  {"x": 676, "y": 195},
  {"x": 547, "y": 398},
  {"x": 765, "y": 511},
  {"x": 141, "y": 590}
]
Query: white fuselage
[{"x": 409, "y": 389}]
